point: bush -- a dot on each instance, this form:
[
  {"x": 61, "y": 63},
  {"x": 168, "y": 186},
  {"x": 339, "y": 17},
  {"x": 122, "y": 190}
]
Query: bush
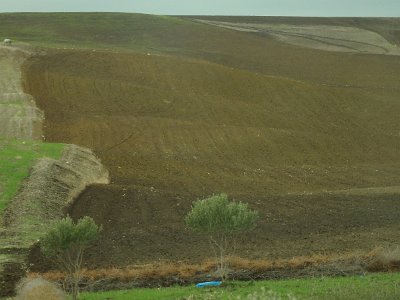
[
  {"x": 220, "y": 219},
  {"x": 65, "y": 244},
  {"x": 38, "y": 289}
]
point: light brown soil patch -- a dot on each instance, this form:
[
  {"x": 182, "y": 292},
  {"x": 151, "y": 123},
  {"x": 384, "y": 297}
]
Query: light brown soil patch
[
  {"x": 322, "y": 37},
  {"x": 19, "y": 116}
]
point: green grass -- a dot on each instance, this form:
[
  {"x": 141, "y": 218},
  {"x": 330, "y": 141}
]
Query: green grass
[
  {"x": 16, "y": 158},
  {"x": 13, "y": 103},
  {"x": 95, "y": 30},
  {"x": 377, "y": 286}
]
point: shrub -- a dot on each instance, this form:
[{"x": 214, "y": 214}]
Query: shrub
[
  {"x": 38, "y": 289},
  {"x": 220, "y": 220},
  {"x": 65, "y": 244}
]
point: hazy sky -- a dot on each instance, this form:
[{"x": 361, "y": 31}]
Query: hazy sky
[{"x": 381, "y": 8}]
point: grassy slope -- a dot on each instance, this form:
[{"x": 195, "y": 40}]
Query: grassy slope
[
  {"x": 16, "y": 158},
  {"x": 382, "y": 286},
  {"x": 104, "y": 30}
]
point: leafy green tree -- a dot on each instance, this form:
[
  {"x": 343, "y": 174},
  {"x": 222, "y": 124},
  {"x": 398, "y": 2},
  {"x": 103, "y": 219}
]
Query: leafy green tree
[
  {"x": 65, "y": 244},
  {"x": 221, "y": 220}
]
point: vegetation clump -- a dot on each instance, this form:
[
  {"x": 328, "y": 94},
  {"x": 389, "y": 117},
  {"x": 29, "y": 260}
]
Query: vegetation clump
[
  {"x": 221, "y": 219},
  {"x": 38, "y": 289},
  {"x": 65, "y": 244}
]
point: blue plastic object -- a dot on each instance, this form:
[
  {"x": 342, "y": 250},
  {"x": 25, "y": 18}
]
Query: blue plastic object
[{"x": 208, "y": 283}]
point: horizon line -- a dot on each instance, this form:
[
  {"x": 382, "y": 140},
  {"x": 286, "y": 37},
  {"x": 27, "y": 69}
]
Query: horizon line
[{"x": 199, "y": 15}]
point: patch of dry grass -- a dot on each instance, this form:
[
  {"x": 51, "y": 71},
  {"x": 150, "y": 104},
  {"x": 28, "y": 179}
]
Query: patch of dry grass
[
  {"x": 38, "y": 289},
  {"x": 384, "y": 259},
  {"x": 185, "y": 271}
]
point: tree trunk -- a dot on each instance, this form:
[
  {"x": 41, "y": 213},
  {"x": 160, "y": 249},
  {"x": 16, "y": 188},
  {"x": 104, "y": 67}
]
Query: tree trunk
[{"x": 75, "y": 286}]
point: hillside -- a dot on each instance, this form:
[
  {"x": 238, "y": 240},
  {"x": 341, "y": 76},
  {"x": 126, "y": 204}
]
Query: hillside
[
  {"x": 389, "y": 28},
  {"x": 183, "y": 37},
  {"x": 178, "y": 110},
  {"x": 151, "y": 118}
]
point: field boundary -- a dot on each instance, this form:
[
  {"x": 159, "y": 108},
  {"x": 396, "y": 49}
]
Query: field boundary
[
  {"x": 167, "y": 273},
  {"x": 52, "y": 184}
]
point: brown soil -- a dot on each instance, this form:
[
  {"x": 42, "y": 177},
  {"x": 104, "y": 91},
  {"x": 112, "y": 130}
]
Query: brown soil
[
  {"x": 147, "y": 226},
  {"x": 172, "y": 130}
]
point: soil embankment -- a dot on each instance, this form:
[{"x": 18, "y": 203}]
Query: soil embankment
[
  {"x": 19, "y": 116},
  {"x": 52, "y": 185},
  {"x": 44, "y": 197}
]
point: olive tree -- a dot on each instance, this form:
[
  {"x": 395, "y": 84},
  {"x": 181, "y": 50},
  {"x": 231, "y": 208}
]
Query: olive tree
[
  {"x": 65, "y": 243},
  {"x": 221, "y": 220}
]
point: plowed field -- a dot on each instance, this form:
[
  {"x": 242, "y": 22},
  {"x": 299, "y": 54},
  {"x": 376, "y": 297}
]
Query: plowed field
[{"x": 172, "y": 130}]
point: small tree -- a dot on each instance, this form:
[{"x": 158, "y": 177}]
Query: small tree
[
  {"x": 221, "y": 220},
  {"x": 65, "y": 244}
]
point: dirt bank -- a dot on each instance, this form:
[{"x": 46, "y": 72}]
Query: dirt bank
[
  {"x": 44, "y": 197},
  {"x": 19, "y": 116},
  {"x": 53, "y": 185}
]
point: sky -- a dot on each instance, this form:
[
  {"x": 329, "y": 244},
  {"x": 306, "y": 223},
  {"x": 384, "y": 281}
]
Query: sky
[{"x": 345, "y": 8}]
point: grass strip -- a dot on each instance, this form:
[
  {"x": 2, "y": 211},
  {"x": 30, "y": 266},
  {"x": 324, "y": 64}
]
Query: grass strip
[
  {"x": 16, "y": 158},
  {"x": 376, "y": 286}
]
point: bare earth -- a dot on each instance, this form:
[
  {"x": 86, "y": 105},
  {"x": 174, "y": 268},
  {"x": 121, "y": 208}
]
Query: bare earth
[
  {"x": 19, "y": 116},
  {"x": 172, "y": 130},
  {"x": 309, "y": 138}
]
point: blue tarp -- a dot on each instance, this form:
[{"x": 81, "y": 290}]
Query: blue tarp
[{"x": 208, "y": 283}]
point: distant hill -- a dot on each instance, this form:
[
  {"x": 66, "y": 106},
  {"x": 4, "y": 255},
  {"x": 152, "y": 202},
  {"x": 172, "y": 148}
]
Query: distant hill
[
  {"x": 185, "y": 38},
  {"x": 389, "y": 28}
]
